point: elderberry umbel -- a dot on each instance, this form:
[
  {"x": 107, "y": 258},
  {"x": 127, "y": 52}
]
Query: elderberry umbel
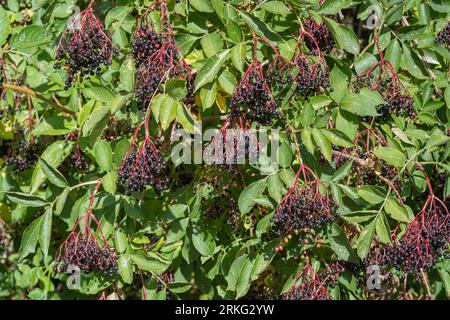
[
  {"x": 381, "y": 77},
  {"x": 307, "y": 286},
  {"x": 84, "y": 47},
  {"x": 164, "y": 62},
  {"x": 443, "y": 37},
  {"x": 321, "y": 38},
  {"x": 82, "y": 250},
  {"x": 116, "y": 129},
  {"x": 304, "y": 207},
  {"x": 24, "y": 153},
  {"x": 424, "y": 242},
  {"x": 76, "y": 160},
  {"x": 145, "y": 41},
  {"x": 234, "y": 142},
  {"x": 143, "y": 165},
  {"x": 253, "y": 96},
  {"x": 311, "y": 77}
]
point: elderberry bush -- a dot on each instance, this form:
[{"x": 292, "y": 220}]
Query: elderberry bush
[{"x": 224, "y": 150}]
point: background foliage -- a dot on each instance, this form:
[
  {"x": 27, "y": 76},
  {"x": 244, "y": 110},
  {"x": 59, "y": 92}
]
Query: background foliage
[{"x": 211, "y": 235}]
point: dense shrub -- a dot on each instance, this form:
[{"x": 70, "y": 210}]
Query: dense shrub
[{"x": 355, "y": 94}]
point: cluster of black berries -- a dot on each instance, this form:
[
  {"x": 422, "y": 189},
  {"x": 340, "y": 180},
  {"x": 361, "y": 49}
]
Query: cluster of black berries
[
  {"x": 309, "y": 286},
  {"x": 330, "y": 276},
  {"x": 145, "y": 42},
  {"x": 3, "y": 239},
  {"x": 424, "y": 243},
  {"x": 140, "y": 169},
  {"x": 311, "y": 77},
  {"x": 322, "y": 36},
  {"x": 83, "y": 50},
  {"x": 397, "y": 103},
  {"x": 189, "y": 99},
  {"x": 24, "y": 154},
  {"x": 161, "y": 66},
  {"x": 116, "y": 128},
  {"x": 303, "y": 210},
  {"x": 254, "y": 97},
  {"x": 86, "y": 254},
  {"x": 76, "y": 160},
  {"x": 443, "y": 36}
]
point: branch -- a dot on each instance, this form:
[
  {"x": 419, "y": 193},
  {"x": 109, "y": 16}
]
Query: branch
[{"x": 28, "y": 91}]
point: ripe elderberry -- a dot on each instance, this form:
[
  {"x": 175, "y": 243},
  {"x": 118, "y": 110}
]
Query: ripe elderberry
[
  {"x": 311, "y": 76},
  {"x": 76, "y": 159},
  {"x": 253, "y": 96},
  {"x": 381, "y": 77},
  {"x": 443, "y": 37},
  {"x": 307, "y": 286},
  {"x": 116, "y": 129},
  {"x": 321, "y": 38},
  {"x": 145, "y": 41},
  {"x": 142, "y": 166},
  {"x": 81, "y": 248},
  {"x": 84, "y": 47},
  {"x": 233, "y": 143},
  {"x": 161, "y": 62},
  {"x": 305, "y": 207},
  {"x": 23, "y": 153}
]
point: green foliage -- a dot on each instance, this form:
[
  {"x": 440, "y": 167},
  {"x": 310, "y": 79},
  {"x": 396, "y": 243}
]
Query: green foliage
[{"x": 211, "y": 233}]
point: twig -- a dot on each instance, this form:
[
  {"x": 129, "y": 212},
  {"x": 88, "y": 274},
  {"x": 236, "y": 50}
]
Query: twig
[{"x": 32, "y": 93}]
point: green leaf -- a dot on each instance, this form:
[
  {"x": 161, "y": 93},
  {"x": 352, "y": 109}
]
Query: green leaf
[
  {"x": 243, "y": 282},
  {"x": 238, "y": 54},
  {"x": 103, "y": 155},
  {"x": 284, "y": 155},
  {"x": 202, "y": 240},
  {"x": 61, "y": 201},
  {"x": 109, "y": 182},
  {"x": 53, "y": 175},
  {"x": 275, "y": 187},
  {"x": 151, "y": 262},
  {"x": 202, "y": 5},
  {"x": 371, "y": 194},
  {"x": 29, "y": 38},
  {"x": 263, "y": 259},
  {"x": 436, "y": 139},
  {"x": 339, "y": 83},
  {"x": 342, "y": 172},
  {"x": 363, "y": 103},
  {"x": 365, "y": 240},
  {"x": 210, "y": 69},
  {"x": 391, "y": 156},
  {"x": 45, "y": 231},
  {"x": 276, "y": 7},
  {"x": 179, "y": 287},
  {"x": 227, "y": 82},
  {"x": 167, "y": 110},
  {"x": 185, "y": 118},
  {"x": 208, "y": 95},
  {"x": 260, "y": 28},
  {"x": 382, "y": 228},
  {"x": 127, "y": 72},
  {"x": 99, "y": 92},
  {"x": 340, "y": 245},
  {"x": 212, "y": 44},
  {"x": 94, "y": 119},
  {"x": 337, "y": 138},
  {"x": 247, "y": 197},
  {"x": 323, "y": 143},
  {"x": 30, "y": 238},
  {"x": 26, "y": 199},
  {"x": 125, "y": 268},
  {"x": 5, "y": 26},
  {"x": 397, "y": 211}
]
